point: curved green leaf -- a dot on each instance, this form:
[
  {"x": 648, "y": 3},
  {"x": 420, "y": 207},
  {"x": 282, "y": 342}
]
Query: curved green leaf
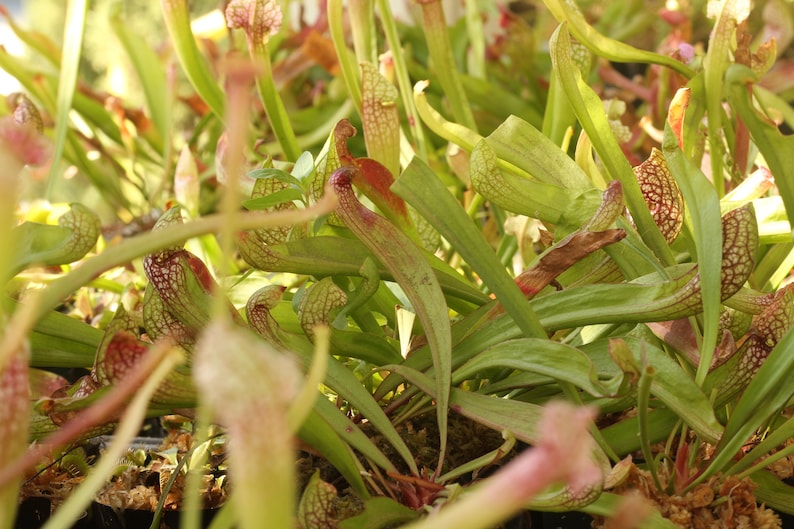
[
  {"x": 421, "y": 188},
  {"x": 589, "y": 111},
  {"x": 325, "y": 255},
  {"x": 559, "y": 361},
  {"x": 177, "y": 20},
  {"x": 767, "y": 393},
  {"x": 407, "y": 264},
  {"x": 703, "y": 209},
  {"x": 671, "y": 384},
  {"x": 543, "y": 201},
  {"x": 778, "y": 150},
  {"x": 45, "y": 245},
  {"x": 76, "y": 11},
  {"x": 613, "y": 50},
  {"x": 773, "y": 492}
]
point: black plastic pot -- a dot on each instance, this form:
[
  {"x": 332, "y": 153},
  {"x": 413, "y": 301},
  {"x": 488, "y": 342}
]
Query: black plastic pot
[
  {"x": 34, "y": 512},
  {"x": 560, "y": 520},
  {"x": 107, "y": 518}
]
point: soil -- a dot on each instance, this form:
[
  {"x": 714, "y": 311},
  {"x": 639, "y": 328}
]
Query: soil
[{"x": 719, "y": 503}]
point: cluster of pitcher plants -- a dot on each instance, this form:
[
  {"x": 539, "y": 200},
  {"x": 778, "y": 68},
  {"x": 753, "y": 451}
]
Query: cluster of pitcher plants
[{"x": 369, "y": 243}]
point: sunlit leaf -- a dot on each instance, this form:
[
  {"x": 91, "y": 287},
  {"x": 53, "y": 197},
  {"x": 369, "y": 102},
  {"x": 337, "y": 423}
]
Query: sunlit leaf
[
  {"x": 151, "y": 74},
  {"x": 535, "y": 199},
  {"x": 70, "y": 63},
  {"x": 778, "y": 150},
  {"x": 177, "y": 20},
  {"x": 613, "y": 50},
  {"x": 41, "y": 244},
  {"x": 379, "y": 118},
  {"x": 702, "y": 202},
  {"x": 380, "y": 512}
]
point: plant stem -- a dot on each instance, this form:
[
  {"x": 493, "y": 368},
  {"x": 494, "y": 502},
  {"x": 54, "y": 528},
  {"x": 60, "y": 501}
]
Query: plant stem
[
  {"x": 177, "y": 20},
  {"x": 348, "y": 67},
  {"x": 274, "y": 106},
  {"x": 437, "y": 36},
  {"x": 643, "y": 396},
  {"x": 191, "y": 508},
  {"x": 403, "y": 80},
  {"x": 476, "y": 39},
  {"x": 362, "y": 21}
]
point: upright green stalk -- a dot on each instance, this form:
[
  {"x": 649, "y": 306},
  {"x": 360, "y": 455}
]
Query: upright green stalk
[
  {"x": 717, "y": 59},
  {"x": 362, "y": 23},
  {"x": 348, "y": 67},
  {"x": 240, "y": 77},
  {"x": 443, "y": 63},
  {"x": 177, "y": 20},
  {"x": 70, "y": 60},
  {"x": 476, "y": 39},
  {"x": 403, "y": 81},
  {"x": 643, "y": 397},
  {"x": 261, "y": 19}
]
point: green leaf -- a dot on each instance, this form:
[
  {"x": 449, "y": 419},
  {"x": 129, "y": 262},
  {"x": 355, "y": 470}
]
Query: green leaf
[
  {"x": 35, "y": 40},
  {"x": 559, "y": 361},
  {"x": 773, "y": 492},
  {"x": 177, "y": 20},
  {"x": 589, "y": 111},
  {"x": 406, "y": 262},
  {"x": 703, "y": 216},
  {"x": 613, "y": 50},
  {"x": 671, "y": 384},
  {"x": 517, "y": 417},
  {"x": 339, "y": 256},
  {"x": 351, "y": 434},
  {"x": 42, "y": 244},
  {"x": 609, "y": 505},
  {"x": 76, "y": 11},
  {"x": 546, "y": 202},
  {"x": 420, "y": 187},
  {"x": 637, "y": 301},
  {"x": 151, "y": 74},
  {"x": 338, "y": 377},
  {"x": 648, "y": 299},
  {"x": 59, "y": 340},
  {"x": 718, "y": 57},
  {"x": 380, "y": 512},
  {"x": 282, "y": 196},
  {"x": 522, "y": 145},
  {"x": 778, "y": 150},
  {"x": 767, "y": 393},
  {"x": 318, "y": 434},
  {"x": 623, "y": 436},
  {"x": 272, "y": 172}
]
